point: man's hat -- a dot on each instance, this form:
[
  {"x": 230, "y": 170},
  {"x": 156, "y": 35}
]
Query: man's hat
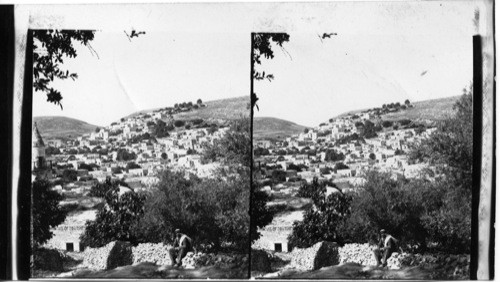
[
  {"x": 382, "y": 231},
  {"x": 177, "y": 230}
]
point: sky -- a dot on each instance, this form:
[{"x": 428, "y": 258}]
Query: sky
[
  {"x": 154, "y": 70},
  {"x": 415, "y": 51},
  {"x": 193, "y": 51}
]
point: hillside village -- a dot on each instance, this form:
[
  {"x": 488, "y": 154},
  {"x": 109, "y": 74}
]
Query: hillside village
[
  {"x": 339, "y": 151},
  {"x": 131, "y": 150}
]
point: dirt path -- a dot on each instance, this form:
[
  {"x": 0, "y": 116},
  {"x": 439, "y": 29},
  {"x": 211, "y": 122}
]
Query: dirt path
[
  {"x": 356, "y": 271},
  {"x": 152, "y": 271}
]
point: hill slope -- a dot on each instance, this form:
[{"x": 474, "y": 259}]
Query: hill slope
[
  {"x": 62, "y": 127},
  {"x": 274, "y": 128},
  {"x": 225, "y": 109},
  {"x": 428, "y": 110}
]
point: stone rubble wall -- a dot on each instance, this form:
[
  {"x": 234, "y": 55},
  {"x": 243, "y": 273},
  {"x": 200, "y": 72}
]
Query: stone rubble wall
[
  {"x": 319, "y": 255},
  {"x": 112, "y": 255},
  {"x": 150, "y": 252},
  {"x": 117, "y": 254},
  {"x": 456, "y": 265},
  {"x": 357, "y": 253}
]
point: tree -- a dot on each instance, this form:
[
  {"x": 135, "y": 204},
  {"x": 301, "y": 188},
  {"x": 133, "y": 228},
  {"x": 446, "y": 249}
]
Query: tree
[
  {"x": 179, "y": 123},
  {"x": 331, "y": 156},
  {"x": 211, "y": 211},
  {"x": 407, "y": 102},
  {"x": 404, "y": 122},
  {"x": 97, "y": 129},
  {"x": 306, "y": 130},
  {"x": 372, "y": 156},
  {"x": 52, "y": 151},
  {"x": 235, "y": 147},
  {"x": 199, "y": 101},
  {"x": 261, "y": 46},
  {"x": 339, "y": 166},
  {"x": 369, "y": 130},
  {"x": 395, "y": 205},
  {"x": 50, "y": 48},
  {"x": 124, "y": 155},
  {"x": 132, "y": 165},
  {"x": 420, "y": 129},
  {"x": 69, "y": 175},
  {"x": 449, "y": 150},
  {"x": 115, "y": 220},
  {"x": 387, "y": 123},
  {"x": 322, "y": 221},
  {"x": 164, "y": 155},
  {"x": 46, "y": 211},
  {"x": 213, "y": 128}
]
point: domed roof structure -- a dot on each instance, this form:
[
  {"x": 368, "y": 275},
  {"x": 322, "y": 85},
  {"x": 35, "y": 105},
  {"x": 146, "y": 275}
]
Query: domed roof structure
[{"x": 36, "y": 138}]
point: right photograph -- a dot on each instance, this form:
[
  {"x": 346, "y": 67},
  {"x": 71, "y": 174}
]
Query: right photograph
[{"x": 363, "y": 145}]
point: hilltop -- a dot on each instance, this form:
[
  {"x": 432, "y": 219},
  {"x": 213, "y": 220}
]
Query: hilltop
[
  {"x": 223, "y": 109},
  {"x": 432, "y": 110},
  {"x": 427, "y": 110},
  {"x": 274, "y": 128},
  {"x": 62, "y": 127}
]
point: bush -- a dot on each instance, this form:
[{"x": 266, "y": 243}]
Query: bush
[
  {"x": 278, "y": 176},
  {"x": 179, "y": 123},
  {"x": 114, "y": 221},
  {"x": 404, "y": 122},
  {"x": 387, "y": 123},
  {"x": 396, "y": 206},
  {"x": 210, "y": 211},
  {"x": 197, "y": 121},
  {"x": 323, "y": 221}
]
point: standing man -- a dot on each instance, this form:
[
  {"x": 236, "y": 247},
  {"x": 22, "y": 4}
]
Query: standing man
[
  {"x": 182, "y": 245},
  {"x": 386, "y": 246}
]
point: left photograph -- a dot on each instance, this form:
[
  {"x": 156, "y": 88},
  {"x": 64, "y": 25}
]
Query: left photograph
[{"x": 141, "y": 154}]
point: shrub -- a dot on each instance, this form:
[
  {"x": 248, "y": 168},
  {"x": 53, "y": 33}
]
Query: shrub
[
  {"x": 179, "y": 123},
  {"x": 404, "y": 122},
  {"x": 323, "y": 221},
  {"x": 387, "y": 123},
  {"x": 210, "y": 211},
  {"x": 115, "y": 220}
]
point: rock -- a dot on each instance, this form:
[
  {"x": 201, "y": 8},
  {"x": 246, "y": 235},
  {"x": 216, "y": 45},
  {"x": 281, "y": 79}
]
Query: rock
[
  {"x": 48, "y": 259},
  {"x": 120, "y": 255},
  {"x": 114, "y": 254},
  {"x": 320, "y": 255},
  {"x": 260, "y": 261}
]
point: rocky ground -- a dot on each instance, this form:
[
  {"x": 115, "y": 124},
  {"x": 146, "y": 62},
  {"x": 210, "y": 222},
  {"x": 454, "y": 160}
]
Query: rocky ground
[
  {"x": 357, "y": 262},
  {"x": 121, "y": 260}
]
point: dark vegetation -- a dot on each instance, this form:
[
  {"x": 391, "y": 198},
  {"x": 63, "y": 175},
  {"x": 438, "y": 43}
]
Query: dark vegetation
[{"x": 423, "y": 215}]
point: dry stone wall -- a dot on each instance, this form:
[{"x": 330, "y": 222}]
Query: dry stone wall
[
  {"x": 149, "y": 252},
  {"x": 357, "y": 253},
  {"x": 117, "y": 254},
  {"x": 320, "y": 255},
  {"x": 112, "y": 255}
]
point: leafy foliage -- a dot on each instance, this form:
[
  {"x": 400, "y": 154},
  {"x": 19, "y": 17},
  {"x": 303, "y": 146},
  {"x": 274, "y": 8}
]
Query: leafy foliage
[
  {"x": 235, "y": 147},
  {"x": 124, "y": 155},
  {"x": 114, "y": 220},
  {"x": 262, "y": 46},
  {"x": 46, "y": 212},
  {"x": 321, "y": 222},
  {"x": 211, "y": 211},
  {"x": 50, "y": 48}
]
